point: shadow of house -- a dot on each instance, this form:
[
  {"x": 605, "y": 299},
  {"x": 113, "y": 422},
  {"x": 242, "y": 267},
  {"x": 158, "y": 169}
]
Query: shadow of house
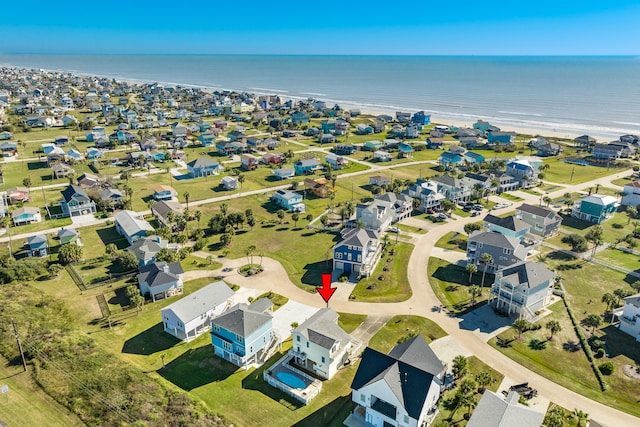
[
  {"x": 36, "y": 165},
  {"x": 313, "y": 272},
  {"x": 197, "y": 367},
  {"x": 570, "y": 222},
  {"x": 331, "y": 415},
  {"x": 150, "y": 341},
  {"x": 484, "y": 319},
  {"x": 255, "y": 381},
  {"x": 617, "y": 343}
]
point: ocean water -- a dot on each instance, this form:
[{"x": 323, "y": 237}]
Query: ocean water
[{"x": 576, "y": 95}]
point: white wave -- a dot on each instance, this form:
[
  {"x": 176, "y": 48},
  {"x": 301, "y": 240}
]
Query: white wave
[
  {"x": 517, "y": 113},
  {"x": 627, "y": 123},
  {"x": 313, "y": 93},
  {"x": 269, "y": 89}
]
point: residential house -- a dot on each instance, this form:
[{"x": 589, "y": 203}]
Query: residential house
[
  {"x": 54, "y": 154},
  {"x": 630, "y": 317},
  {"x": 61, "y": 140},
  {"x": 385, "y": 210},
  {"x": 271, "y": 143},
  {"x": 485, "y": 127},
  {"x": 164, "y": 209},
  {"x": 273, "y": 159},
  {"x": 244, "y": 335},
  {"x": 523, "y": 172},
  {"x": 160, "y": 280},
  {"x": 178, "y": 130},
  {"x": 207, "y": 138},
  {"x": 585, "y": 141},
  {"x": 191, "y": 316},
  {"x": 204, "y": 166},
  {"x": 412, "y": 131},
  {"x": 320, "y": 346},
  {"x": 454, "y": 189},
  {"x": 248, "y": 162},
  {"x": 256, "y": 144},
  {"x": 284, "y": 173},
  {"x": 94, "y": 153},
  {"x": 288, "y": 200},
  {"x": 505, "y": 181},
  {"x": 230, "y": 183},
  {"x": 18, "y": 195},
  {"x": 76, "y": 202},
  {"x": 544, "y": 222},
  {"x": 307, "y": 166},
  {"x": 372, "y": 146},
  {"x": 68, "y": 235},
  {"x": 357, "y": 253},
  {"x": 428, "y": 192},
  {"x": 26, "y": 215},
  {"x": 631, "y": 139},
  {"x": 145, "y": 249},
  {"x": 607, "y": 151},
  {"x": 320, "y": 187},
  {"x": 111, "y": 198},
  {"x": 509, "y": 226},
  {"x": 379, "y": 180},
  {"x": 4, "y": 135},
  {"x": 344, "y": 149},
  {"x": 61, "y": 170},
  {"x": 421, "y": 118},
  {"x": 631, "y": 194},
  {"x": 480, "y": 183},
  {"x": 401, "y": 388},
  {"x": 505, "y": 250},
  {"x": 403, "y": 117},
  {"x": 628, "y": 148},
  {"x": 231, "y": 148},
  {"x": 545, "y": 148},
  {"x": 299, "y": 117},
  {"x": 164, "y": 192},
  {"x": 131, "y": 225},
  {"x": 74, "y": 156},
  {"x": 595, "y": 208},
  {"x": 405, "y": 151},
  {"x": 88, "y": 180},
  {"x": 9, "y": 149},
  {"x": 364, "y": 129},
  {"x": 382, "y": 156},
  {"x": 434, "y": 143},
  {"x": 37, "y": 246},
  {"x": 523, "y": 289},
  {"x": 499, "y": 137},
  {"x": 336, "y": 162},
  {"x": 497, "y": 410}
]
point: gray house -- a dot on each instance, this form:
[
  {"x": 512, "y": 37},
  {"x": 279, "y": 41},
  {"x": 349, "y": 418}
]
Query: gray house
[
  {"x": 505, "y": 250},
  {"x": 160, "y": 280},
  {"x": 454, "y": 189},
  {"x": 384, "y": 210},
  {"x": 496, "y": 410},
  {"x": 429, "y": 194},
  {"x": 131, "y": 225},
  {"x": 162, "y": 210},
  {"x": 544, "y": 222},
  {"x": 75, "y": 202},
  {"x": 146, "y": 249},
  {"x": 523, "y": 289}
]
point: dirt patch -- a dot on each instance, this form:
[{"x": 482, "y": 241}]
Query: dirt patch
[{"x": 631, "y": 372}]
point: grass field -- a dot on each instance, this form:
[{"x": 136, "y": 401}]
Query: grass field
[
  {"x": 453, "y": 241},
  {"x": 566, "y": 173},
  {"x": 349, "y": 322},
  {"x": 451, "y": 284},
  {"x": 403, "y": 327}
]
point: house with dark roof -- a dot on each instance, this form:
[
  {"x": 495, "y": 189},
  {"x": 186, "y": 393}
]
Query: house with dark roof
[
  {"x": 37, "y": 246},
  {"x": 204, "y": 166},
  {"x": 385, "y": 209},
  {"x": 244, "y": 335},
  {"x": 544, "y": 222},
  {"x": 76, "y": 202},
  {"x": 160, "y": 280},
  {"x": 88, "y": 180},
  {"x": 131, "y": 225},
  {"x": 111, "y": 197},
  {"x": 357, "y": 253},
  {"x": 321, "y": 346},
  {"x": 607, "y": 151},
  {"x": 454, "y": 189},
  {"x": 145, "y": 249},
  {"x": 497, "y": 410},
  {"x": 522, "y": 289},
  {"x": 504, "y": 250},
  {"x": 163, "y": 209},
  {"x": 401, "y": 388},
  {"x": 191, "y": 316},
  {"x": 509, "y": 226}
]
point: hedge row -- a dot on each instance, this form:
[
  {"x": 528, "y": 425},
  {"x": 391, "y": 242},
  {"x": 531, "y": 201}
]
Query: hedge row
[{"x": 585, "y": 346}]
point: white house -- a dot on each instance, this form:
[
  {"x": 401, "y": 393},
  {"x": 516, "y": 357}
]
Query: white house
[
  {"x": 496, "y": 410},
  {"x": 397, "y": 389},
  {"x": 191, "y": 316},
  {"x": 320, "y": 345},
  {"x": 630, "y": 317},
  {"x": 385, "y": 209},
  {"x": 523, "y": 288},
  {"x": 631, "y": 194}
]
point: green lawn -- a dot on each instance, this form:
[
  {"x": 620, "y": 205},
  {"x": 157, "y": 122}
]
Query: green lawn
[
  {"x": 277, "y": 299},
  {"x": 511, "y": 197},
  {"x": 624, "y": 181},
  {"x": 614, "y": 228},
  {"x": 622, "y": 259},
  {"x": 350, "y": 322},
  {"x": 461, "y": 212},
  {"x": 453, "y": 241},
  {"x": 411, "y": 229},
  {"x": 387, "y": 286},
  {"x": 566, "y": 173},
  {"x": 403, "y": 327},
  {"x": 451, "y": 284}
]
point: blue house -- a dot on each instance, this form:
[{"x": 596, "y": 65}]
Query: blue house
[
  {"x": 76, "y": 202},
  {"x": 358, "y": 252},
  {"x": 473, "y": 158},
  {"x": 405, "y": 150},
  {"x": 203, "y": 167},
  {"x": 74, "y": 155},
  {"x": 421, "y": 118},
  {"x": 286, "y": 199},
  {"x": 164, "y": 192},
  {"x": 298, "y": 118},
  {"x": 206, "y": 139},
  {"x": 94, "y": 153},
  {"x": 500, "y": 137},
  {"x": 328, "y": 126},
  {"x": 307, "y": 166},
  {"x": 449, "y": 158},
  {"x": 37, "y": 246},
  {"x": 244, "y": 335}
]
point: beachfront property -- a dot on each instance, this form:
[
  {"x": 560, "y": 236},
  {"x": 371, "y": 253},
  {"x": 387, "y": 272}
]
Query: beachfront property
[
  {"x": 544, "y": 222},
  {"x": 357, "y": 253},
  {"x": 289, "y": 200},
  {"x": 523, "y": 289},
  {"x": 500, "y": 137},
  {"x": 421, "y": 118},
  {"x": 131, "y": 225},
  {"x": 595, "y": 208},
  {"x": 203, "y": 166},
  {"x": 631, "y": 194},
  {"x": 459, "y": 158},
  {"x": 37, "y": 246},
  {"x": 191, "y": 316},
  {"x": 497, "y": 410},
  {"x": 26, "y": 215},
  {"x": 629, "y": 316},
  {"x": 244, "y": 334},
  {"x": 544, "y": 147},
  {"x": 146, "y": 249},
  {"x": 164, "y": 192},
  {"x": 160, "y": 280},
  {"x": 504, "y": 250},
  {"x": 401, "y": 388}
]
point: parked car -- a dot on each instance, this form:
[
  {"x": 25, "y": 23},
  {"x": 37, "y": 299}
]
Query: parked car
[
  {"x": 430, "y": 211},
  {"x": 477, "y": 207},
  {"x": 441, "y": 217},
  {"x": 393, "y": 230},
  {"x": 467, "y": 208},
  {"x": 475, "y": 213}
]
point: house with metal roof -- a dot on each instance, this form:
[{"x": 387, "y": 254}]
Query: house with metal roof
[
  {"x": 496, "y": 410},
  {"x": 631, "y": 194},
  {"x": 191, "y": 316},
  {"x": 160, "y": 280},
  {"x": 544, "y": 222},
  {"x": 37, "y": 246},
  {"x": 289, "y": 200},
  {"x": 68, "y": 235},
  {"x": 629, "y": 316},
  {"x": 595, "y": 208},
  {"x": 509, "y": 226},
  {"x": 244, "y": 335},
  {"x": 26, "y": 215},
  {"x": 131, "y": 225},
  {"x": 307, "y": 166},
  {"x": 522, "y": 289},
  {"x": 399, "y": 388}
]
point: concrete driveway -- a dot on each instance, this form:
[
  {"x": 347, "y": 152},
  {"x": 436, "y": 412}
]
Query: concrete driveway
[
  {"x": 291, "y": 312},
  {"x": 485, "y": 323}
]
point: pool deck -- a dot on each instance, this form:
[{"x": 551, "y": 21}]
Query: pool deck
[{"x": 305, "y": 395}]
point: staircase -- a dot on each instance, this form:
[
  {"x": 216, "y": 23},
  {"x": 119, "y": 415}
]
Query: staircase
[{"x": 268, "y": 351}]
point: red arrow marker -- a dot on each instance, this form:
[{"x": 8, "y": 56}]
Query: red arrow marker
[{"x": 326, "y": 291}]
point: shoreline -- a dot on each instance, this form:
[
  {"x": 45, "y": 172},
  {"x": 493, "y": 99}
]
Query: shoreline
[{"x": 564, "y": 130}]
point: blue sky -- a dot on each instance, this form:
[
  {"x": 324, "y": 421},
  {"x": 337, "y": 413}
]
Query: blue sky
[{"x": 559, "y": 27}]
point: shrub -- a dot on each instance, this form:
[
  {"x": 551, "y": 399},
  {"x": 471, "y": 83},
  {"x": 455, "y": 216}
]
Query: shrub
[
  {"x": 606, "y": 368},
  {"x": 577, "y": 242},
  {"x": 600, "y": 353}
]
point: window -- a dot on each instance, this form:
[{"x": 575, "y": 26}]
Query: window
[
  {"x": 359, "y": 258},
  {"x": 479, "y": 245},
  {"x": 216, "y": 328},
  {"x": 227, "y": 345},
  {"x": 251, "y": 349},
  {"x": 239, "y": 338},
  {"x": 323, "y": 359},
  {"x": 338, "y": 255},
  {"x": 349, "y": 257},
  {"x": 506, "y": 251},
  {"x": 406, "y": 419},
  {"x": 307, "y": 344},
  {"x": 298, "y": 338},
  {"x": 363, "y": 398}
]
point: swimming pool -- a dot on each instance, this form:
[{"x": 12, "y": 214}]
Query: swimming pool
[{"x": 291, "y": 380}]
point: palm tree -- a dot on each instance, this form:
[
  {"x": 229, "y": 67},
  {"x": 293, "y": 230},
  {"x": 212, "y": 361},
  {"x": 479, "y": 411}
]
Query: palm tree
[
  {"x": 547, "y": 200},
  {"x": 631, "y": 213},
  {"x": 459, "y": 366},
  {"x": 593, "y": 321},
  {"x": 472, "y": 269},
  {"x": 198, "y": 215},
  {"x": 241, "y": 179},
  {"x": 582, "y": 417},
  {"x": 483, "y": 379},
  {"x": 609, "y": 299},
  {"x": 224, "y": 208},
  {"x": 486, "y": 259},
  {"x": 520, "y": 326},
  {"x": 469, "y": 400},
  {"x": 475, "y": 291},
  {"x": 249, "y": 252},
  {"x": 554, "y": 327},
  {"x": 186, "y": 195}
]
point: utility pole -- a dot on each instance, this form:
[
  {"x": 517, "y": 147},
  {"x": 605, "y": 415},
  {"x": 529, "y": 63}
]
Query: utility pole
[{"x": 15, "y": 333}]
